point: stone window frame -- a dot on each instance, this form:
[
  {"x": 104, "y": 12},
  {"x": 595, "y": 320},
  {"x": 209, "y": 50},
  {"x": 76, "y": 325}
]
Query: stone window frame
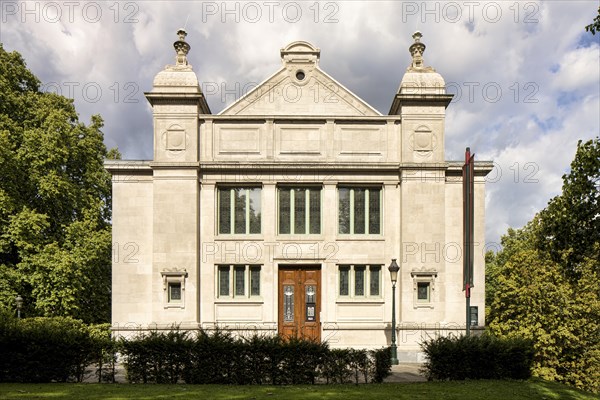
[
  {"x": 352, "y": 282},
  {"x": 424, "y": 277},
  {"x": 309, "y": 188},
  {"x": 367, "y": 188},
  {"x": 173, "y": 277},
  {"x": 247, "y": 230},
  {"x": 231, "y": 293}
]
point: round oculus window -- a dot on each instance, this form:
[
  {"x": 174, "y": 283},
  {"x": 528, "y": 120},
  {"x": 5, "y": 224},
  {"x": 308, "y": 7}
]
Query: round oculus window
[{"x": 300, "y": 75}]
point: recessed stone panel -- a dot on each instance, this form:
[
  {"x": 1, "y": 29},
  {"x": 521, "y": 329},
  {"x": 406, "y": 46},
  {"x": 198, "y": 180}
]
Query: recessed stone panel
[
  {"x": 360, "y": 141},
  {"x": 238, "y": 140},
  {"x": 357, "y": 312},
  {"x": 299, "y": 141},
  {"x": 238, "y": 312}
]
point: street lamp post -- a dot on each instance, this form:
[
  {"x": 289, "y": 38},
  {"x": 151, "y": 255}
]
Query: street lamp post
[
  {"x": 19, "y": 303},
  {"x": 394, "y": 268}
]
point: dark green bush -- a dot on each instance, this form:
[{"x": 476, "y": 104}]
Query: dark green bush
[
  {"x": 381, "y": 365},
  {"x": 45, "y": 349},
  {"x": 217, "y": 357},
  {"x": 477, "y": 357},
  {"x": 156, "y": 357}
]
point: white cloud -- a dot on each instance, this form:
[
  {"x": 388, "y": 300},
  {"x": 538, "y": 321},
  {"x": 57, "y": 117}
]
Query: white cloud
[{"x": 578, "y": 69}]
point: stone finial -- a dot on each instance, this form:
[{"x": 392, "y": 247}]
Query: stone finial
[
  {"x": 182, "y": 48},
  {"x": 416, "y": 51}
]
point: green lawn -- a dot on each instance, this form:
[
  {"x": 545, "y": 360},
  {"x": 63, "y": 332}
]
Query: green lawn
[{"x": 489, "y": 390}]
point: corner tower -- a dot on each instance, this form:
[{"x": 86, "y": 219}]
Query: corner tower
[
  {"x": 177, "y": 100},
  {"x": 421, "y": 101}
]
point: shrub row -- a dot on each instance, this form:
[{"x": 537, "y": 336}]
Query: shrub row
[
  {"x": 218, "y": 357},
  {"x": 52, "y": 349},
  {"x": 477, "y": 357},
  {"x": 65, "y": 350}
]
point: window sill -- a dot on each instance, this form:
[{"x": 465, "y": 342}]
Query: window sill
[
  {"x": 357, "y": 300},
  {"x": 367, "y": 238},
  {"x": 240, "y": 237},
  {"x": 239, "y": 300},
  {"x": 300, "y": 238},
  {"x": 174, "y": 305},
  {"x": 424, "y": 305}
]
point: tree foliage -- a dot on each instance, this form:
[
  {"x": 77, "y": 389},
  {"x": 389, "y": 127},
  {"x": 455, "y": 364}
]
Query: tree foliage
[
  {"x": 55, "y": 244},
  {"x": 545, "y": 283},
  {"x": 570, "y": 224},
  {"x": 595, "y": 25}
]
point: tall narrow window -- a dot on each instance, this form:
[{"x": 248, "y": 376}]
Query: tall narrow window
[
  {"x": 344, "y": 281},
  {"x": 375, "y": 272},
  {"x": 359, "y": 280},
  {"x": 240, "y": 287},
  {"x": 224, "y": 281},
  {"x": 239, "y": 210},
  {"x": 255, "y": 281},
  {"x": 299, "y": 210},
  {"x": 359, "y": 211}
]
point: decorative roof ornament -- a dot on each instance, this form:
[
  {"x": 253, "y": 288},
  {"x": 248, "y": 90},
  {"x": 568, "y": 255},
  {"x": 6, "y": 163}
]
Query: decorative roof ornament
[
  {"x": 182, "y": 48},
  {"x": 416, "y": 51}
]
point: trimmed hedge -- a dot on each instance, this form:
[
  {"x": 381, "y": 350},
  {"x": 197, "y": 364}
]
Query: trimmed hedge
[
  {"x": 477, "y": 357},
  {"x": 218, "y": 357},
  {"x": 64, "y": 350},
  {"x": 48, "y": 349}
]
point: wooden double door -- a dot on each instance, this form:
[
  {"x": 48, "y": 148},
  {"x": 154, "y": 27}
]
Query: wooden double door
[{"x": 300, "y": 301}]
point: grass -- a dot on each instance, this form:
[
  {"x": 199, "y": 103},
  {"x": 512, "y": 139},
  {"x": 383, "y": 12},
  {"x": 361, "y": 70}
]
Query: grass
[{"x": 489, "y": 390}]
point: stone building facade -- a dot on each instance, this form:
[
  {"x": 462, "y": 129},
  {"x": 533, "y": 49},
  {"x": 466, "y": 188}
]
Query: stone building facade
[{"x": 282, "y": 212}]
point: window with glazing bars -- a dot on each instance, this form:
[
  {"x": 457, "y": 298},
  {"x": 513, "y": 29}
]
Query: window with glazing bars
[
  {"x": 238, "y": 280},
  {"x": 299, "y": 210},
  {"x": 239, "y": 210},
  {"x": 359, "y": 211},
  {"x": 359, "y": 280}
]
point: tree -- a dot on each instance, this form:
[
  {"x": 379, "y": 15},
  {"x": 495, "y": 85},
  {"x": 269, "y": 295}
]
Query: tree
[
  {"x": 537, "y": 302},
  {"x": 570, "y": 224},
  {"x": 55, "y": 243},
  {"x": 545, "y": 282},
  {"x": 595, "y": 25}
]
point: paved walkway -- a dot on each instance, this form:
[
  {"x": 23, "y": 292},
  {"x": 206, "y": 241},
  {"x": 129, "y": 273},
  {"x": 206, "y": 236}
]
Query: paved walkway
[{"x": 406, "y": 372}]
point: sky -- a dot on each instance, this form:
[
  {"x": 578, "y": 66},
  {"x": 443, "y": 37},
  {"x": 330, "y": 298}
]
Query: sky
[{"x": 525, "y": 74}]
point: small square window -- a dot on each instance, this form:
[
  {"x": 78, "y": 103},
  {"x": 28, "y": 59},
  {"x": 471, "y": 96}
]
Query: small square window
[
  {"x": 424, "y": 288},
  {"x": 174, "y": 288},
  {"x": 174, "y": 292},
  {"x": 423, "y": 293}
]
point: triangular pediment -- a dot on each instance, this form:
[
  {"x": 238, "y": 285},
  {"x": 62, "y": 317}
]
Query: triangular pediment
[{"x": 300, "y": 88}]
